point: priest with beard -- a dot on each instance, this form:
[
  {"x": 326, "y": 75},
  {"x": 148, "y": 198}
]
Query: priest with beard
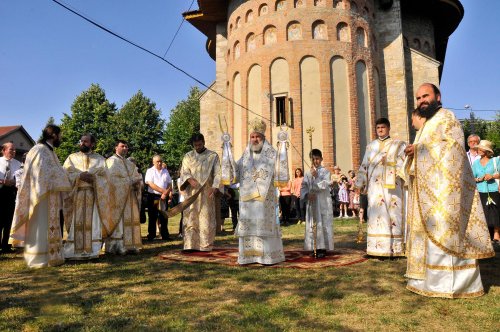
[
  {"x": 447, "y": 229},
  {"x": 258, "y": 227},
  {"x": 86, "y": 210},
  {"x": 39, "y": 199},
  {"x": 200, "y": 180}
]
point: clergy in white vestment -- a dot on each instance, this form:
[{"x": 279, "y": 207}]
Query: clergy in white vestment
[
  {"x": 315, "y": 191},
  {"x": 447, "y": 229},
  {"x": 378, "y": 176},
  {"x": 86, "y": 209},
  {"x": 125, "y": 184},
  {"x": 39, "y": 199},
  {"x": 200, "y": 176},
  {"x": 258, "y": 227}
]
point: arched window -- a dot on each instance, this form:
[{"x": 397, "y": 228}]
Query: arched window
[
  {"x": 236, "y": 50},
  {"x": 361, "y": 37},
  {"x": 294, "y": 31},
  {"x": 416, "y": 44},
  {"x": 270, "y": 35},
  {"x": 280, "y": 5},
  {"x": 249, "y": 16},
  {"x": 319, "y": 30},
  {"x": 263, "y": 9},
  {"x": 251, "y": 42},
  {"x": 237, "y": 24},
  {"x": 300, "y": 3},
  {"x": 343, "y": 32},
  {"x": 427, "y": 47}
]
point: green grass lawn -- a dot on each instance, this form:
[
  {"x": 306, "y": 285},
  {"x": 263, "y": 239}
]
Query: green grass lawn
[{"x": 144, "y": 293}]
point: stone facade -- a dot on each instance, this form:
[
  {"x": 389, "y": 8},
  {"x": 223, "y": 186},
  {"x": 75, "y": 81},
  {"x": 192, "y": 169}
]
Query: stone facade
[{"x": 337, "y": 65}]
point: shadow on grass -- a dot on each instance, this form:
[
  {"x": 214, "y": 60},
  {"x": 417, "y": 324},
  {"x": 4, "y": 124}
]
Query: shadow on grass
[{"x": 143, "y": 292}]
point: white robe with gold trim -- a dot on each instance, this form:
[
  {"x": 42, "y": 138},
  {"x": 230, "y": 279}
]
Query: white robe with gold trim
[
  {"x": 87, "y": 212},
  {"x": 447, "y": 229},
  {"x": 385, "y": 197},
  {"x": 319, "y": 211},
  {"x": 199, "y": 221},
  {"x": 39, "y": 199},
  {"x": 125, "y": 206},
  {"x": 258, "y": 226}
]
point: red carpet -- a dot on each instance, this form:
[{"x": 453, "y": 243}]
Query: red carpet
[{"x": 295, "y": 258}]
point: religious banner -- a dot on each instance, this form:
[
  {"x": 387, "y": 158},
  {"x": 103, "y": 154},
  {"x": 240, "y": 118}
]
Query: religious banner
[{"x": 282, "y": 175}]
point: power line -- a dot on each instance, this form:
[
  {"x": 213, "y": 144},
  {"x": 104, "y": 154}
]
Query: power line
[
  {"x": 178, "y": 29},
  {"x": 170, "y": 64},
  {"x": 471, "y": 110}
]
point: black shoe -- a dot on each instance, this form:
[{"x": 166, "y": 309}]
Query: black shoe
[
  {"x": 321, "y": 254},
  {"x": 8, "y": 251}
]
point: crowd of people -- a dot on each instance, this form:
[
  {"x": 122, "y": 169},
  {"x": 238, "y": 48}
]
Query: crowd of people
[{"x": 429, "y": 201}]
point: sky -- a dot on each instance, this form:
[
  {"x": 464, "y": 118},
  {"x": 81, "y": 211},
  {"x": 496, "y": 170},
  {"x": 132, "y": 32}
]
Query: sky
[{"x": 48, "y": 56}]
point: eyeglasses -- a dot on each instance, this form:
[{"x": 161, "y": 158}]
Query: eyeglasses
[{"x": 158, "y": 161}]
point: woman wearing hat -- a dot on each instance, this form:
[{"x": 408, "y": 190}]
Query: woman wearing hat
[{"x": 486, "y": 171}]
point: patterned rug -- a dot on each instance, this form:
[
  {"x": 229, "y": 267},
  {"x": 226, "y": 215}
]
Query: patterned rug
[{"x": 295, "y": 258}]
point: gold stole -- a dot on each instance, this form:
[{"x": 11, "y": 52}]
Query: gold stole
[{"x": 389, "y": 173}]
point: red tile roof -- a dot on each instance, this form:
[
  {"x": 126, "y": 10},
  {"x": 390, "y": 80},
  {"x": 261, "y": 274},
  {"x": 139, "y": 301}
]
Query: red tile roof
[{"x": 7, "y": 129}]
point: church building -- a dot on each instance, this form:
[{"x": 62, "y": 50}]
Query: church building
[{"x": 323, "y": 69}]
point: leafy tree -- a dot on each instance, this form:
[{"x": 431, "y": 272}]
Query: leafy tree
[
  {"x": 139, "y": 123},
  {"x": 91, "y": 113},
  {"x": 489, "y": 130},
  {"x": 184, "y": 122},
  {"x": 493, "y": 134}
]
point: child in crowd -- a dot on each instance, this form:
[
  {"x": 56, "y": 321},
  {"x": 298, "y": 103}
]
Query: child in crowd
[
  {"x": 343, "y": 196},
  {"x": 351, "y": 181},
  {"x": 315, "y": 191}
]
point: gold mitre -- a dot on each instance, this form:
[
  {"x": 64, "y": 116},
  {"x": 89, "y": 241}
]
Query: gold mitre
[{"x": 257, "y": 126}]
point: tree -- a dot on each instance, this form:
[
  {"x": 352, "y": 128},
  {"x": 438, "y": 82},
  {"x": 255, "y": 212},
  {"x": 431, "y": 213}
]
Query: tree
[
  {"x": 91, "y": 113},
  {"x": 493, "y": 134},
  {"x": 489, "y": 130},
  {"x": 139, "y": 123},
  {"x": 184, "y": 122}
]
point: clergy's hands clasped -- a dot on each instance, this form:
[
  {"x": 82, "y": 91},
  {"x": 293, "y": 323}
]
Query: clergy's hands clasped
[
  {"x": 87, "y": 177},
  {"x": 311, "y": 197},
  {"x": 314, "y": 172},
  {"x": 193, "y": 183},
  {"x": 410, "y": 150}
]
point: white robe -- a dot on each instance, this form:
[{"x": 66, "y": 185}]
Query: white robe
[
  {"x": 385, "y": 205},
  {"x": 87, "y": 210},
  {"x": 258, "y": 226},
  {"x": 320, "y": 210},
  {"x": 36, "y": 218}
]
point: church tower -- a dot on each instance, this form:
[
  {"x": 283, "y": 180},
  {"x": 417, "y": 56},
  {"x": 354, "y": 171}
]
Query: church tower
[{"x": 333, "y": 66}]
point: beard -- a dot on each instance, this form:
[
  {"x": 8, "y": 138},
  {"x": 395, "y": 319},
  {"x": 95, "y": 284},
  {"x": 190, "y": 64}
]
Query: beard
[
  {"x": 430, "y": 109},
  {"x": 257, "y": 147},
  {"x": 56, "y": 143},
  {"x": 84, "y": 148}
]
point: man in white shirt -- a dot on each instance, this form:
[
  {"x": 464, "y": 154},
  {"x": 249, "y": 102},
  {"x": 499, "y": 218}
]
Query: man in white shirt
[
  {"x": 8, "y": 192},
  {"x": 472, "y": 142},
  {"x": 159, "y": 188}
]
